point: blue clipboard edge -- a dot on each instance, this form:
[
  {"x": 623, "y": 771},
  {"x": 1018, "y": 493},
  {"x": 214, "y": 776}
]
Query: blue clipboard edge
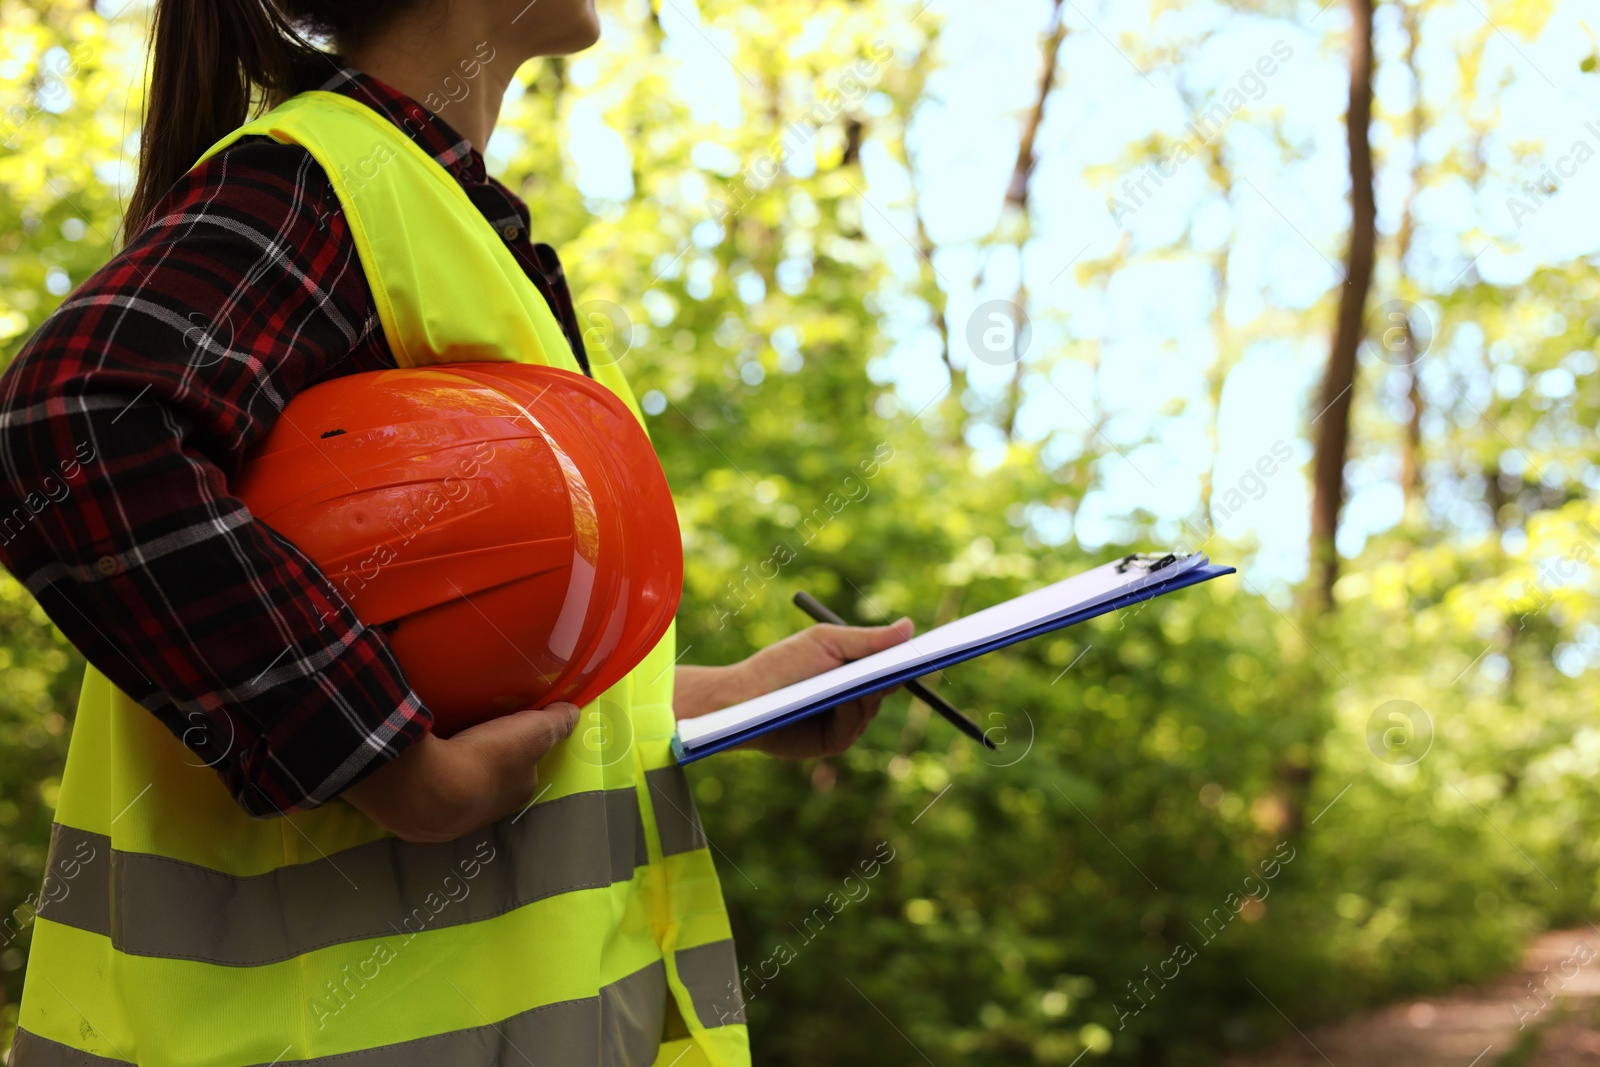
[{"x": 1199, "y": 574}]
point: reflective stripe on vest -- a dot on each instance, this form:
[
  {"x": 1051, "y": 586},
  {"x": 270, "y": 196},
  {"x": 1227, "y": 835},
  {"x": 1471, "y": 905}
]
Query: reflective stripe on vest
[
  {"x": 617, "y": 1026},
  {"x": 361, "y": 892},
  {"x": 588, "y": 928}
]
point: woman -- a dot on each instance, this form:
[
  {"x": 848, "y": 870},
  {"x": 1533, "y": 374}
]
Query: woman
[{"x": 262, "y": 854}]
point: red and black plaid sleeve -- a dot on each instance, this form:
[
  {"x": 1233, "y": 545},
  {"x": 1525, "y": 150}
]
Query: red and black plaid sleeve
[{"x": 126, "y": 414}]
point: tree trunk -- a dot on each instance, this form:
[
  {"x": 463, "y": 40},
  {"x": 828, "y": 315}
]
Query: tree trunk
[
  {"x": 1017, "y": 192},
  {"x": 1338, "y": 383},
  {"x": 1217, "y": 374},
  {"x": 1411, "y": 441},
  {"x": 1411, "y": 454},
  {"x": 1022, "y": 172}
]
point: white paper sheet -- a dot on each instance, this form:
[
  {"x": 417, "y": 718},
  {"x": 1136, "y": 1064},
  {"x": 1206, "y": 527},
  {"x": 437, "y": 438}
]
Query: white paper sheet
[{"x": 1084, "y": 590}]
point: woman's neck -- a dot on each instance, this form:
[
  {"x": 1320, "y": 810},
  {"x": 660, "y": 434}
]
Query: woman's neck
[{"x": 427, "y": 53}]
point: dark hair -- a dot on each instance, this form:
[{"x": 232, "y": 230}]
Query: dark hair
[{"x": 215, "y": 62}]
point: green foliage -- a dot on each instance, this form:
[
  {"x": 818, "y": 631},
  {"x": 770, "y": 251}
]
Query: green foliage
[{"x": 39, "y": 676}]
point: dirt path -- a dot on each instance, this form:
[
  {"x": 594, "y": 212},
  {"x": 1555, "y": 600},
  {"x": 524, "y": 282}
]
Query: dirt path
[{"x": 1547, "y": 1014}]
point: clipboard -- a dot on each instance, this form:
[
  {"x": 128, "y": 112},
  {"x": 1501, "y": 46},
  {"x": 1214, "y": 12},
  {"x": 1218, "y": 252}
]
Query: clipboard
[{"x": 1109, "y": 587}]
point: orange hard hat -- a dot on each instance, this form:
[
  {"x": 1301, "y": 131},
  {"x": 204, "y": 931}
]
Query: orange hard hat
[{"x": 507, "y": 525}]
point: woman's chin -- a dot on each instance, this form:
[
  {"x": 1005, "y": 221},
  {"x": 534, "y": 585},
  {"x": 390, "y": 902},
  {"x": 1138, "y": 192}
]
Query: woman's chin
[{"x": 581, "y": 32}]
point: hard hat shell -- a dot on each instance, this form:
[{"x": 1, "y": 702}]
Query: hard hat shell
[{"x": 507, "y": 525}]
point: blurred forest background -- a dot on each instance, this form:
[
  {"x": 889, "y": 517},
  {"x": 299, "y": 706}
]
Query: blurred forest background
[{"x": 1032, "y": 284}]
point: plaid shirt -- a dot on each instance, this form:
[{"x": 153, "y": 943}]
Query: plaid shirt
[{"x": 117, "y": 445}]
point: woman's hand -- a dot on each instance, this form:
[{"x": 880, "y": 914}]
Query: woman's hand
[
  {"x": 439, "y": 789},
  {"x": 810, "y": 652}
]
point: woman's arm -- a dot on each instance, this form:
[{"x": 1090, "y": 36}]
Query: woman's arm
[
  {"x": 698, "y": 690},
  {"x": 121, "y": 422}
]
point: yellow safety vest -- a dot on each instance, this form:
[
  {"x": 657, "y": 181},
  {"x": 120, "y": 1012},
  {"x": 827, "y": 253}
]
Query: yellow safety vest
[{"x": 587, "y": 929}]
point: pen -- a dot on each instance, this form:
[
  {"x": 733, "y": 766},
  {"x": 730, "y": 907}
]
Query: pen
[{"x": 820, "y": 612}]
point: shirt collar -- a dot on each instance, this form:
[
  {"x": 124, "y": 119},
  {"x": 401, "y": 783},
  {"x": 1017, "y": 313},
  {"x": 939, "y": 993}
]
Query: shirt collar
[{"x": 428, "y": 131}]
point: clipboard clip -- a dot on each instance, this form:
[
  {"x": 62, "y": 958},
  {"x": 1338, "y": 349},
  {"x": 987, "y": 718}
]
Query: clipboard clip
[{"x": 1147, "y": 561}]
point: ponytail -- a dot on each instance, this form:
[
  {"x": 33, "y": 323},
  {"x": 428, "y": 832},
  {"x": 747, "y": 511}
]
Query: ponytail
[{"x": 212, "y": 61}]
